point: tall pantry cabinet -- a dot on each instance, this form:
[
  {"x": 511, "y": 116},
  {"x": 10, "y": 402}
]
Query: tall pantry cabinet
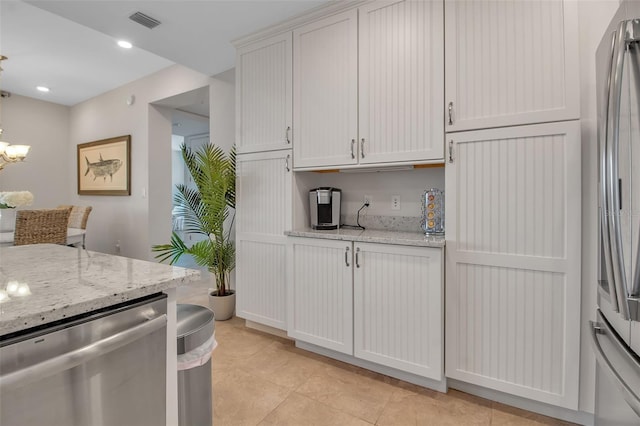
[
  {"x": 264, "y": 178},
  {"x": 513, "y": 201}
]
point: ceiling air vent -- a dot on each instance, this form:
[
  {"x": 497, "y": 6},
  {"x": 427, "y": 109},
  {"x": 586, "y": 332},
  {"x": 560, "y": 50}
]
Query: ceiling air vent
[{"x": 144, "y": 20}]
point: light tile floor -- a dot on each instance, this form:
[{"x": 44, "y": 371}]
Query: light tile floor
[{"x": 260, "y": 379}]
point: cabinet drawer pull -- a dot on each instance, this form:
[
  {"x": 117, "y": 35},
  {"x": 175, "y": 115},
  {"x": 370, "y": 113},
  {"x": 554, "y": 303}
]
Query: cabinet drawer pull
[
  {"x": 450, "y": 113},
  {"x": 362, "y": 147},
  {"x": 286, "y": 163},
  {"x": 358, "y": 257},
  {"x": 286, "y": 134},
  {"x": 353, "y": 142},
  {"x": 451, "y": 151},
  {"x": 346, "y": 256}
]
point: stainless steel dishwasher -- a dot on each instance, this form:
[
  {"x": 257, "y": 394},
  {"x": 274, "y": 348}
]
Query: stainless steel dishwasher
[{"x": 105, "y": 368}]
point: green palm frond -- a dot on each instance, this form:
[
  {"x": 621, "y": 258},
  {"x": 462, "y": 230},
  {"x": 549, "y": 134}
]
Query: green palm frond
[{"x": 206, "y": 209}]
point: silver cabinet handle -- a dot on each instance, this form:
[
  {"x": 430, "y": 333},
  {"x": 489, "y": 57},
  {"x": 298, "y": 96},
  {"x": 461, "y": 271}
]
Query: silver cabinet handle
[
  {"x": 353, "y": 142},
  {"x": 450, "y": 113},
  {"x": 286, "y": 163},
  {"x": 346, "y": 256},
  {"x": 362, "y": 147},
  {"x": 357, "y": 257},
  {"x": 81, "y": 355},
  {"x": 286, "y": 134},
  {"x": 451, "y": 151},
  {"x": 627, "y": 392}
]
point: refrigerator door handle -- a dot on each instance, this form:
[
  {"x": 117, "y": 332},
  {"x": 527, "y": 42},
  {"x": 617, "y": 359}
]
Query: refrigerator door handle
[
  {"x": 612, "y": 170},
  {"x": 605, "y": 236},
  {"x": 602, "y": 328}
]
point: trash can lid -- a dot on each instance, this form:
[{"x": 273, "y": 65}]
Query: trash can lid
[{"x": 195, "y": 325}]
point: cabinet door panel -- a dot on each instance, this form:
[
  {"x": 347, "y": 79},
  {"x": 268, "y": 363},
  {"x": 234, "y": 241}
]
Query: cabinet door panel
[
  {"x": 511, "y": 62},
  {"x": 325, "y": 64},
  {"x": 264, "y": 95},
  {"x": 398, "y": 308},
  {"x": 513, "y": 261},
  {"x": 263, "y": 213},
  {"x": 321, "y": 293},
  {"x": 401, "y": 48}
]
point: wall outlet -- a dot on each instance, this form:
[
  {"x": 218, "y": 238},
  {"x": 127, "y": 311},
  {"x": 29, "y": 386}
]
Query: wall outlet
[
  {"x": 395, "y": 202},
  {"x": 367, "y": 200},
  {"x": 118, "y": 247}
]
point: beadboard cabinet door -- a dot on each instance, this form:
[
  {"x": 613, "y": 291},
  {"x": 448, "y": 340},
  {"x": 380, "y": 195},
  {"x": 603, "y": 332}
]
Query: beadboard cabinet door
[
  {"x": 263, "y": 214},
  {"x": 264, "y": 95},
  {"x": 398, "y": 307},
  {"x": 510, "y": 63},
  {"x": 513, "y": 260},
  {"x": 320, "y": 296},
  {"x": 401, "y": 75},
  {"x": 325, "y": 91}
]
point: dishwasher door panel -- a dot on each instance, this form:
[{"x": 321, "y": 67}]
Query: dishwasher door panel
[{"x": 104, "y": 370}]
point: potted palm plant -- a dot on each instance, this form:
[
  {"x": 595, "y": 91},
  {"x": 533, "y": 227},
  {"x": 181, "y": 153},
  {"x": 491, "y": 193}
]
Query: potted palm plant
[{"x": 206, "y": 211}]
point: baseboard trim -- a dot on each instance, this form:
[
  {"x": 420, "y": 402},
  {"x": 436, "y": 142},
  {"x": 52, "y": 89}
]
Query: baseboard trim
[
  {"x": 266, "y": 329},
  {"x": 440, "y": 386},
  {"x": 580, "y": 417}
]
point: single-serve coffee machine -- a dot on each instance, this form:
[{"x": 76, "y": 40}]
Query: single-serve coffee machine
[{"x": 324, "y": 208}]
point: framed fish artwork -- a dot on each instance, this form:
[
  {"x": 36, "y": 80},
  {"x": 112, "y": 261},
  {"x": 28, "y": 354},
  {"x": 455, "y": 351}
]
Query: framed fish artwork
[{"x": 104, "y": 167}]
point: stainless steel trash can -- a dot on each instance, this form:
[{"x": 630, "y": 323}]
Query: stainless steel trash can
[{"x": 195, "y": 327}]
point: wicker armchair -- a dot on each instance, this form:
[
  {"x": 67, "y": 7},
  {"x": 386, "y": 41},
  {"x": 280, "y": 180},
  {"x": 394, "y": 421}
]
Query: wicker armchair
[
  {"x": 79, "y": 216},
  {"x": 41, "y": 226}
]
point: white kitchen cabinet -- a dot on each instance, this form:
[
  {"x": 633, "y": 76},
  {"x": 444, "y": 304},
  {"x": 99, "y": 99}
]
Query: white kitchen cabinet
[
  {"x": 510, "y": 63},
  {"x": 513, "y": 260},
  {"x": 398, "y": 307},
  {"x": 401, "y": 48},
  {"x": 263, "y": 214},
  {"x": 325, "y": 91},
  {"x": 264, "y": 95},
  {"x": 368, "y": 85},
  {"x": 379, "y": 302},
  {"x": 320, "y": 294}
]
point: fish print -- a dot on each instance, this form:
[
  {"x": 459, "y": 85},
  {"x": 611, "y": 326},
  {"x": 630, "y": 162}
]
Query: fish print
[{"x": 103, "y": 168}]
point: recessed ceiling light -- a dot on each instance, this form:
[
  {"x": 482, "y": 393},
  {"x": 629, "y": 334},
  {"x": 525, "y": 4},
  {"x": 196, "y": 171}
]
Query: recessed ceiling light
[
  {"x": 43, "y": 89},
  {"x": 125, "y": 44}
]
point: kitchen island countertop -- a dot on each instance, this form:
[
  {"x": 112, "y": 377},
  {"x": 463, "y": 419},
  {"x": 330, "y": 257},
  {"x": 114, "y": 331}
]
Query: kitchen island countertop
[
  {"x": 372, "y": 236},
  {"x": 43, "y": 283}
]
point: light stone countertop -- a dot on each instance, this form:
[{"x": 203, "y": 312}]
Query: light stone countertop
[
  {"x": 62, "y": 282},
  {"x": 372, "y": 236}
]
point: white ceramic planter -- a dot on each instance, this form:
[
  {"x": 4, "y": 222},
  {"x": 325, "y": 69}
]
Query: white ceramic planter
[
  {"x": 222, "y": 306},
  {"x": 7, "y": 220}
]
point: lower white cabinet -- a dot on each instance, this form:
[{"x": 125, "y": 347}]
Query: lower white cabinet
[{"x": 379, "y": 302}]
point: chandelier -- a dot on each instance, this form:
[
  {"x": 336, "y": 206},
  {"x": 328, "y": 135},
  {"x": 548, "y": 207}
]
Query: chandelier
[{"x": 9, "y": 153}]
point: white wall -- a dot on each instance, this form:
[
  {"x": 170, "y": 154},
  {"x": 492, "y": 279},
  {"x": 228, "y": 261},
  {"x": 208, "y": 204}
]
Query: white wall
[
  {"x": 144, "y": 218},
  {"x": 594, "y": 18},
  {"x": 48, "y": 167}
]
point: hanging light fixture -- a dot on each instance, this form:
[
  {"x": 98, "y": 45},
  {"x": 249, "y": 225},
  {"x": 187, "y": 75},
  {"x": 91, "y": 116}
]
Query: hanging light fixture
[{"x": 9, "y": 153}]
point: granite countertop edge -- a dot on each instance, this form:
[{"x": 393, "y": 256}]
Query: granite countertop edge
[
  {"x": 46, "y": 316},
  {"x": 372, "y": 236}
]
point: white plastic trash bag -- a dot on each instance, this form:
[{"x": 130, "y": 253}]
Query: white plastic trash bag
[{"x": 199, "y": 356}]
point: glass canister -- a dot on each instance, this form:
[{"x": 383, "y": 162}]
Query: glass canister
[{"x": 433, "y": 212}]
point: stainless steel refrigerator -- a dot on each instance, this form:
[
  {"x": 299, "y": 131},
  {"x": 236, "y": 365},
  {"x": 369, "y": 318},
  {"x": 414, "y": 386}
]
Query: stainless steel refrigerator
[{"x": 616, "y": 332}]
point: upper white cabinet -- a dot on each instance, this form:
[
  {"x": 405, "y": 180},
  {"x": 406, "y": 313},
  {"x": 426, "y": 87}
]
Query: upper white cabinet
[
  {"x": 513, "y": 260},
  {"x": 325, "y": 91},
  {"x": 368, "y": 86},
  {"x": 401, "y": 50},
  {"x": 510, "y": 63},
  {"x": 263, "y": 185},
  {"x": 263, "y": 98}
]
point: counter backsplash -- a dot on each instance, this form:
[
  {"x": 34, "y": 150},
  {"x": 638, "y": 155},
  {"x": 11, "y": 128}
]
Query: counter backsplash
[{"x": 385, "y": 223}]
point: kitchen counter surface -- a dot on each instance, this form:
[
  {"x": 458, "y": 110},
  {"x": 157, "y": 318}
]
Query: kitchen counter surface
[
  {"x": 43, "y": 283},
  {"x": 372, "y": 236}
]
